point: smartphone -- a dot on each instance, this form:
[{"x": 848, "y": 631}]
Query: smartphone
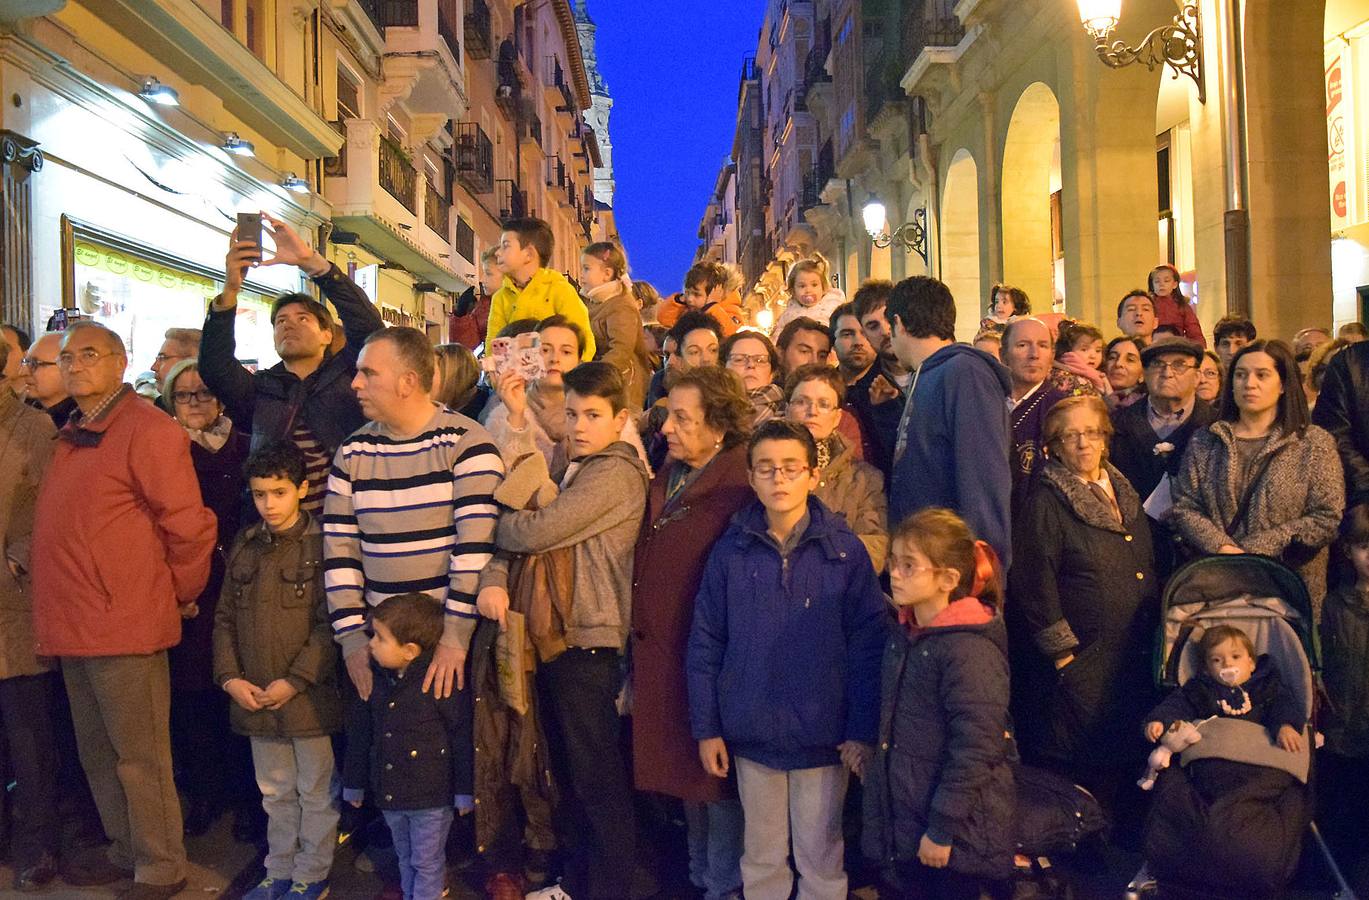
[{"x": 249, "y": 229}]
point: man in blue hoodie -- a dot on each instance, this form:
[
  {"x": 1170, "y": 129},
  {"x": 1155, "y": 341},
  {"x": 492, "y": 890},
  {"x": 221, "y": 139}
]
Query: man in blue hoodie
[{"x": 954, "y": 440}]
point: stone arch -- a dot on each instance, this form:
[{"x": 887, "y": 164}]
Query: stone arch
[
  {"x": 959, "y": 245},
  {"x": 1031, "y": 174}
]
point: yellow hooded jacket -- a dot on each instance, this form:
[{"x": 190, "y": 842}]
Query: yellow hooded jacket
[{"x": 548, "y": 293}]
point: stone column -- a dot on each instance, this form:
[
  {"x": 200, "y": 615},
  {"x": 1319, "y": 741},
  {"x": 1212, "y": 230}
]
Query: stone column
[{"x": 20, "y": 161}]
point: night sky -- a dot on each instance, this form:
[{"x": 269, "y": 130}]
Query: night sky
[{"x": 673, "y": 71}]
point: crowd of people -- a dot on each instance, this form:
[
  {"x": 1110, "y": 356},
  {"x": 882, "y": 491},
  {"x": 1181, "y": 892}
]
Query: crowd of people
[{"x": 816, "y": 590}]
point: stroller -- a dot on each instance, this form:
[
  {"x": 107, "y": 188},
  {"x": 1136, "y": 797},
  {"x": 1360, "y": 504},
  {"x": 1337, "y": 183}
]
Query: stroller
[{"x": 1227, "y": 820}]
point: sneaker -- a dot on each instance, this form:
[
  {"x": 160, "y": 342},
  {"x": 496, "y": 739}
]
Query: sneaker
[
  {"x": 314, "y": 891},
  {"x": 269, "y": 889},
  {"x": 555, "y": 892}
]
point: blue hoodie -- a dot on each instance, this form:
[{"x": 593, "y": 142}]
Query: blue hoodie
[
  {"x": 955, "y": 445},
  {"x": 784, "y": 656}
]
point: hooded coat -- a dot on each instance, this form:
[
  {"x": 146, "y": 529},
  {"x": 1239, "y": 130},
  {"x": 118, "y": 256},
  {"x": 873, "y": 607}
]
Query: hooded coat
[
  {"x": 616, "y": 323},
  {"x": 27, "y": 439},
  {"x": 728, "y": 312},
  {"x": 547, "y": 293},
  {"x": 953, "y": 445},
  {"x": 944, "y": 762},
  {"x": 784, "y": 650},
  {"x": 854, "y": 490},
  {"x": 672, "y": 545}
]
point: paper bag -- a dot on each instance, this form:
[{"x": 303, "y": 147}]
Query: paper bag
[{"x": 510, "y": 657}]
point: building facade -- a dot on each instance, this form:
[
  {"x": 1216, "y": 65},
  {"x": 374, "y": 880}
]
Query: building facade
[
  {"x": 602, "y": 104},
  {"x": 995, "y": 125},
  {"x": 395, "y": 135}
]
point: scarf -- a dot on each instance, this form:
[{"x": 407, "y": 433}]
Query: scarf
[
  {"x": 548, "y": 404},
  {"x": 77, "y": 431},
  {"x": 767, "y": 402},
  {"x": 215, "y": 436},
  {"x": 609, "y": 289},
  {"x": 826, "y": 450},
  {"x": 1072, "y": 362}
]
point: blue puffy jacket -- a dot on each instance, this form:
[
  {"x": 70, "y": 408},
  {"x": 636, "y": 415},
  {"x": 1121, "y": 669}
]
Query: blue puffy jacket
[{"x": 784, "y": 654}]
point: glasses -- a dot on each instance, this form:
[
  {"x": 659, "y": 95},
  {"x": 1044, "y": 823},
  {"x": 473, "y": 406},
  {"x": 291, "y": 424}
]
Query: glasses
[
  {"x": 765, "y": 471},
  {"x": 908, "y": 570},
  {"x": 748, "y": 360},
  {"x": 33, "y": 364},
  {"x": 1177, "y": 367},
  {"x": 166, "y": 358},
  {"x": 1092, "y": 435},
  {"x": 185, "y": 398},
  {"x": 84, "y": 357},
  {"x": 822, "y": 406}
]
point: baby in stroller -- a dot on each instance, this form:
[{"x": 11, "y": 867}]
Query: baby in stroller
[{"x": 1233, "y": 684}]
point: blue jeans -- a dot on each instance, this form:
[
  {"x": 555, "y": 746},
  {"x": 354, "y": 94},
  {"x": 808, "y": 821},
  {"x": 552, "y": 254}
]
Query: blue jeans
[
  {"x": 421, "y": 844},
  {"x": 715, "y": 847}
]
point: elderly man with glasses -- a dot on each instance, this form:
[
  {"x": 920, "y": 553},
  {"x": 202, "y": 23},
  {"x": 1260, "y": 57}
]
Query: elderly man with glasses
[
  {"x": 126, "y": 544},
  {"x": 40, "y": 382},
  {"x": 1150, "y": 436}
]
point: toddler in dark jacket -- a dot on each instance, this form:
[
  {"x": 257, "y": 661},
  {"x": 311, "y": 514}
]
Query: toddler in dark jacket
[
  {"x": 1233, "y": 684},
  {"x": 939, "y": 796},
  {"x": 418, "y": 749}
]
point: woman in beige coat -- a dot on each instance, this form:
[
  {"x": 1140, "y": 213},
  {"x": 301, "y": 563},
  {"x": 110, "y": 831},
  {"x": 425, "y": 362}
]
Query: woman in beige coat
[
  {"x": 614, "y": 317},
  {"x": 847, "y": 486}
]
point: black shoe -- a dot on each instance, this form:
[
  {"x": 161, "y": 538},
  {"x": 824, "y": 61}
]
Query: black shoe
[
  {"x": 141, "y": 891},
  {"x": 199, "y": 817},
  {"x": 93, "y": 872},
  {"x": 37, "y": 876},
  {"x": 249, "y": 825}
]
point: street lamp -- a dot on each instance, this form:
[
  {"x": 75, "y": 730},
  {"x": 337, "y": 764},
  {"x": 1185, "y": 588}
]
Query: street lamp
[
  {"x": 912, "y": 235},
  {"x": 1178, "y": 44}
]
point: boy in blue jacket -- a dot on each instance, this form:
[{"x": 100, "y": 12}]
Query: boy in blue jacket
[{"x": 783, "y": 668}]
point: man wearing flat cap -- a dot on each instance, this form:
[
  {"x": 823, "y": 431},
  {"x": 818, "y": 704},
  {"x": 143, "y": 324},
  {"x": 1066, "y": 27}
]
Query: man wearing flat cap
[{"x": 1150, "y": 437}]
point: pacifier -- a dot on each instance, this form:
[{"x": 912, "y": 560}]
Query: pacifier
[{"x": 1229, "y": 675}]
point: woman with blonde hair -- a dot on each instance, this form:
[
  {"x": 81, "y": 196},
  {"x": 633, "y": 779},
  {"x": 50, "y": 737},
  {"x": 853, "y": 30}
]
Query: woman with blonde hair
[{"x": 456, "y": 383}]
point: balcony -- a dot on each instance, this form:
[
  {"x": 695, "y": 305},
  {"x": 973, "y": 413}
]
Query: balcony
[
  {"x": 422, "y": 61},
  {"x": 397, "y": 174},
  {"x": 465, "y": 240},
  {"x": 474, "y": 157},
  {"x": 559, "y": 82},
  {"x": 386, "y": 203},
  {"x": 188, "y": 42},
  {"x": 479, "y": 29},
  {"x": 508, "y": 93},
  {"x": 374, "y": 10},
  {"x": 513, "y": 203},
  {"x": 530, "y": 130},
  {"x": 933, "y": 37},
  {"x": 437, "y": 212}
]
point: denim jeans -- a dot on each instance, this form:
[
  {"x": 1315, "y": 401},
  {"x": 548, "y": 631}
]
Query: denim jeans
[
  {"x": 421, "y": 846},
  {"x": 295, "y": 776},
  {"x": 715, "y": 847}
]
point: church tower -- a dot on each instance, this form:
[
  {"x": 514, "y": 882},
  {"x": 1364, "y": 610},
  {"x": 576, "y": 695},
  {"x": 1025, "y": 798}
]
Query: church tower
[{"x": 596, "y": 116}]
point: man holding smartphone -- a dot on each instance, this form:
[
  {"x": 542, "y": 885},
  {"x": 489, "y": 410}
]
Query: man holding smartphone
[{"x": 307, "y": 396}]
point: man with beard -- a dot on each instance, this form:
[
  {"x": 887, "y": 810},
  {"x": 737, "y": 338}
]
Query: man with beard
[
  {"x": 877, "y": 397},
  {"x": 306, "y": 397}
]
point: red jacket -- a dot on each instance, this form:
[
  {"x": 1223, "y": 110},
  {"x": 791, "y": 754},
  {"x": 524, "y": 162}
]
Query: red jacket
[
  {"x": 1179, "y": 314},
  {"x": 121, "y": 537}
]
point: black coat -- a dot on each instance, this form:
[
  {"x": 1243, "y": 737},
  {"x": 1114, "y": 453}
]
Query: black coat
[
  {"x": 1081, "y": 584},
  {"x": 1133, "y": 453},
  {"x": 1343, "y": 409},
  {"x": 878, "y": 421},
  {"x": 221, "y": 486},
  {"x": 1271, "y": 704},
  {"x": 413, "y": 751},
  {"x": 946, "y": 754},
  {"x": 269, "y": 401}
]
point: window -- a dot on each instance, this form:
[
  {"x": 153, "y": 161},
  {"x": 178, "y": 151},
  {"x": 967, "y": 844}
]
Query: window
[
  {"x": 252, "y": 23},
  {"x": 348, "y": 95}
]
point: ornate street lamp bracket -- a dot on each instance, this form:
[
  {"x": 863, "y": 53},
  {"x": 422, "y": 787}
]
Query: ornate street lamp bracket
[
  {"x": 911, "y": 235},
  {"x": 1178, "y": 45}
]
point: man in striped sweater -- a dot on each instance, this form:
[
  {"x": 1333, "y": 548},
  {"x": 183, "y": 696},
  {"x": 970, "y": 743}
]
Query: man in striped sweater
[{"x": 410, "y": 507}]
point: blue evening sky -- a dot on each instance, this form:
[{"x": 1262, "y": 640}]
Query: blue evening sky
[{"x": 673, "y": 70}]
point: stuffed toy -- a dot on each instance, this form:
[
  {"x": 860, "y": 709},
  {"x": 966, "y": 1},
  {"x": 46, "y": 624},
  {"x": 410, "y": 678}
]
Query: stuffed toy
[{"x": 1177, "y": 738}]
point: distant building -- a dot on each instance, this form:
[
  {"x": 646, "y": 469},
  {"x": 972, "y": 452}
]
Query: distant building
[{"x": 596, "y": 117}]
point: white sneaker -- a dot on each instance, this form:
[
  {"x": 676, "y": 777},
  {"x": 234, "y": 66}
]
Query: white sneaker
[{"x": 555, "y": 892}]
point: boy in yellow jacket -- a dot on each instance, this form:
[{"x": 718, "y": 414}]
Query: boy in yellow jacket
[{"x": 531, "y": 291}]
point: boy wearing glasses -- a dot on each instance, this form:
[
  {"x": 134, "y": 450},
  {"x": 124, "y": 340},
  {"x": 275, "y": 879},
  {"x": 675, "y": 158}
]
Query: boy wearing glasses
[
  {"x": 783, "y": 668},
  {"x": 1150, "y": 437}
]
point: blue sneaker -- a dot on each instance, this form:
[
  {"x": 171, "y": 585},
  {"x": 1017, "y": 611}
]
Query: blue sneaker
[
  {"x": 316, "y": 890},
  {"x": 269, "y": 889}
]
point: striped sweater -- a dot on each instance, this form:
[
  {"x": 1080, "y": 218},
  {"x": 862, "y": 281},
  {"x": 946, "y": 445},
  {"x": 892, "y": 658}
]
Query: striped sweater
[{"x": 410, "y": 514}]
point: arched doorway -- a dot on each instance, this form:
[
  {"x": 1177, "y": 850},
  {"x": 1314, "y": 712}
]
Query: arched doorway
[
  {"x": 1032, "y": 256},
  {"x": 959, "y": 250}
]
